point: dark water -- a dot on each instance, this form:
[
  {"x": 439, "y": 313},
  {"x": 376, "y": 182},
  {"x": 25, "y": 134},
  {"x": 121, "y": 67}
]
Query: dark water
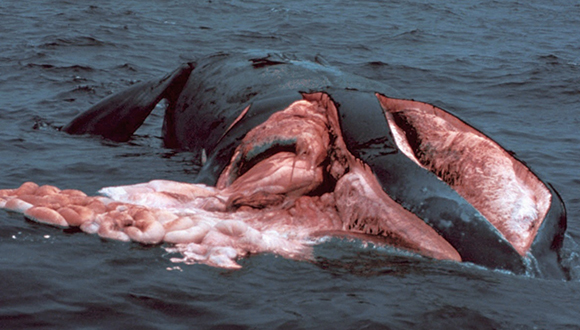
[{"x": 510, "y": 68}]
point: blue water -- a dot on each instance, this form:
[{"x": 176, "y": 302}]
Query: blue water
[{"x": 510, "y": 68}]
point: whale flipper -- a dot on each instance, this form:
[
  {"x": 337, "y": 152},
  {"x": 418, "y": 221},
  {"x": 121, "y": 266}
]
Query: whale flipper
[{"x": 117, "y": 117}]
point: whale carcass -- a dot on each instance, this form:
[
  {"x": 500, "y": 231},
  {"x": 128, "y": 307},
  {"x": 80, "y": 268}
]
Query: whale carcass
[{"x": 297, "y": 150}]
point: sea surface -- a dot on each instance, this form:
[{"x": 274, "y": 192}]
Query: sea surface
[{"x": 510, "y": 68}]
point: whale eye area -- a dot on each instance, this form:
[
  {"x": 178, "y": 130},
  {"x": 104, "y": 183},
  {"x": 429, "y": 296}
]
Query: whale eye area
[{"x": 498, "y": 185}]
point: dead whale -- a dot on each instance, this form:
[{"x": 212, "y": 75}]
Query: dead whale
[{"x": 303, "y": 150}]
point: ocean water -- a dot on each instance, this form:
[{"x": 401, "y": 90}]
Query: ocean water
[{"x": 510, "y": 68}]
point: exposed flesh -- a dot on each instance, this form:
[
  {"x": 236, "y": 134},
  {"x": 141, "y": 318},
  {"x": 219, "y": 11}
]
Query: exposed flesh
[
  {"x": 290, "y": 181},
  {"x": 504, "y": 191}
]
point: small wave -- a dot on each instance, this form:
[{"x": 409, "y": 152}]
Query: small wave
[
  {"x": 126, "y": 67},
  {"x": 549, "y": 59},
  {"x": 51, "y": 67},
  {"x": 253, "y": 35},
  {"x": 78, "y": 41},
  {"x": 71, "y": 95},
  {"x": 571, "y": 91},
  {"x": 412, "y": 35},
  {"x": 377, "y": 64},
  {"x": 84, "y": 89}
]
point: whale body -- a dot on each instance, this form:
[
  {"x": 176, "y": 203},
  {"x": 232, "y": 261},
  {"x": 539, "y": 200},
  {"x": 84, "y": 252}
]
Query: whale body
[{"x": 250, "y": 116}]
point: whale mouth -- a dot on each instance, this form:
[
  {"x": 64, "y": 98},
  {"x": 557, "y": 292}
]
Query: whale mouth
[{"x": 499, "y": 186}]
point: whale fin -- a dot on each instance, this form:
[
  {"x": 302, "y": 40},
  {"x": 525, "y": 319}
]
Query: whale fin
[{"x": 117, "y": 117}]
